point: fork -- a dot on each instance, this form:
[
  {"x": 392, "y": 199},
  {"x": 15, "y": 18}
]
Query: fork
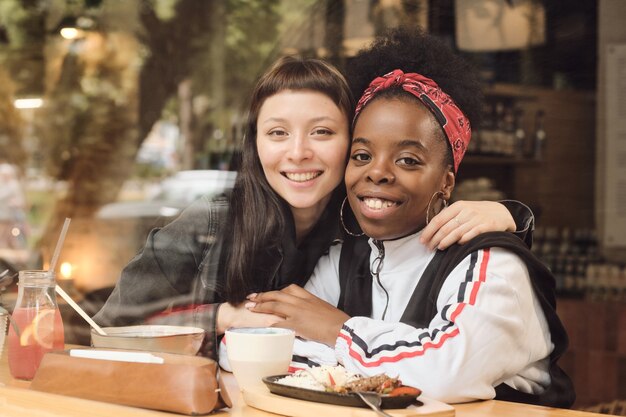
[{"x": 374, "y": 401}]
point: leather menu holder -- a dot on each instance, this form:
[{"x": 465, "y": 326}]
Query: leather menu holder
[{"x": 182, "y": 384}]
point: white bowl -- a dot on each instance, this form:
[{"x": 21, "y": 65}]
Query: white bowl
[{"x": 156, "y": 338}]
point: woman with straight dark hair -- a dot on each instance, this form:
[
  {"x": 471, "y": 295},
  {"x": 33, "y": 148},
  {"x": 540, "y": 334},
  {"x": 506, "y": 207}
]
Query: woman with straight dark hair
[
  {"x": 281, "y": 217},
  {"x": 262, "y": 224}
]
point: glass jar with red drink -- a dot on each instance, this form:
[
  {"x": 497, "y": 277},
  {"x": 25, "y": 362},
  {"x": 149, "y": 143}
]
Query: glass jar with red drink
[{"x": 38, "y": 321}]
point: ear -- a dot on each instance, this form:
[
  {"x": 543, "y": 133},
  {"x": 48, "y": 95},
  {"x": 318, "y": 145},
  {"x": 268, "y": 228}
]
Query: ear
[{"x": 449, "y": 181}]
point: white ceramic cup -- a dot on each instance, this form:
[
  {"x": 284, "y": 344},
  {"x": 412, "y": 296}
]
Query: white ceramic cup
[{"x": 257, "y": 352}]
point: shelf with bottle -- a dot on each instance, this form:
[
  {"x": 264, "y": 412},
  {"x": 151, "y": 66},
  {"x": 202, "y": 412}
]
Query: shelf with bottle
[
  {"x": 517, "y": 92},
  {"x": 573, "y": 257},
  {"x": 482, "y": 159},
  {"x": 504, "y": 136}
]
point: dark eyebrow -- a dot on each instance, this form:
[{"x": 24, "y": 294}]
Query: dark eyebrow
[
  {"x": 362, "y": 141},
  {"x": 409, "y": 142},
  {"x": 402, "y": 144}
]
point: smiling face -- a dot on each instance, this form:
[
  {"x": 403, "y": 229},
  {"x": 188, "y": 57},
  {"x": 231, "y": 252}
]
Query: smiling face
[
  {"x": 302, "y": 141},
  {"x": 396, "y": 165}
]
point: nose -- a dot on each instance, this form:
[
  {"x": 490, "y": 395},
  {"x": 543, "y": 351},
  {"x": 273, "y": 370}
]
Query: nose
[
  {"x": 299, "y": 149},
  {"x": 380, "y": 172}
]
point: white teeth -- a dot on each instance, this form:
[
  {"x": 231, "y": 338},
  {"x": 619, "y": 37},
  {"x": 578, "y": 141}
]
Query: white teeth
[
  {"x": 377, "y": 203},
  {"x": 302, "y": 176}
]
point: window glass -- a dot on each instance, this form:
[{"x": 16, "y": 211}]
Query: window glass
[{"x": 119, "y": 114}]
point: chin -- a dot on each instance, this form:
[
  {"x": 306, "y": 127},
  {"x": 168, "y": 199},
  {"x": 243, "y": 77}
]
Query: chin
[
  {"x": 384, "y": 232},
  {"x": 380, "y": 233}
]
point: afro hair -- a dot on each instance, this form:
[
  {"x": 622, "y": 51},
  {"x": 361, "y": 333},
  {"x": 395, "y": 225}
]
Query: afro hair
[{"x": 413, "y": 50}]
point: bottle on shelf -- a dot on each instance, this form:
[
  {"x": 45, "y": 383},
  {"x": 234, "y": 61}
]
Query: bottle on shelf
[
  {"x": 539, "y": 139},
  {"x": 474, "y": 145},
  {"x": 558, "y": 268},
  {"x": 581, "y": 278},
  {"x": 565, "y": 246},
  {"x": 622, "y": 285},
  {"x": 603, "y": 278},
  {"x": 551, "y": 241},
  {"x": 579, "y": 271},
  {"x": 487, "y": 129},
  {"x": 538, "y": 239},
  {"x": 520, "y": 133},
  {"x": 613, "y": 281},
  {"x": 507, "y": 146},
  {"x": 569, "y": 273},
  {"x": 499, "y": 144}
]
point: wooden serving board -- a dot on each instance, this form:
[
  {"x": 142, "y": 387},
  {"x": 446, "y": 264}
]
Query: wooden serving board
[{"x": 262, "y": 399}]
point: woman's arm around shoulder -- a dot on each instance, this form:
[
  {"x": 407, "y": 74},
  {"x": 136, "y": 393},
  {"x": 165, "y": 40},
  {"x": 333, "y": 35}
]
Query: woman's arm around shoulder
[{"x": 464, "y": 220}]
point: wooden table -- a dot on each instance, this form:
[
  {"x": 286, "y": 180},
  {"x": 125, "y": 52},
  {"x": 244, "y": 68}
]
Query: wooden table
[{"x": 16, "y": 400}]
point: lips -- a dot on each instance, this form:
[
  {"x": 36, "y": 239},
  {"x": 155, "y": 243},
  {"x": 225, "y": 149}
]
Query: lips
[
  {"x": 377, "y": 204},
  {"x": 301, "y": 176}
]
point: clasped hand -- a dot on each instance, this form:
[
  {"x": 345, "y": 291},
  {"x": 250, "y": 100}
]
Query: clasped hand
[{"x": 309, "y": 316}]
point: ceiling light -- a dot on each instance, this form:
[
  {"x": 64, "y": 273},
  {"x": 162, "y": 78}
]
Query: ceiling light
[
  {"x": 72, "y": 33},
  {"x": 28, "y": 103}
]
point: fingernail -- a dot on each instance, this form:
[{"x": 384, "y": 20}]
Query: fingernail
[
  {"x": 251, "y": 296},
  {"x": 249, "y": 305}
]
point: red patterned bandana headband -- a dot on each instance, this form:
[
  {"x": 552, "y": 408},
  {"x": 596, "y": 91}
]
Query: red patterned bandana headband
[{"x": 454, "y": 123}]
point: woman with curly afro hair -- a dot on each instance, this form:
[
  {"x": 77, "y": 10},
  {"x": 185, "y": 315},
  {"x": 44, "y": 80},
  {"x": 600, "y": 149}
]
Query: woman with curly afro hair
[{"x": 474, "y": 321}]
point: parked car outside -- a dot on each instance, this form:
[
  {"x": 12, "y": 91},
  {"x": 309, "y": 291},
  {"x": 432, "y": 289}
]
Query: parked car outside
[
  {"x": 176, "y": 193},
  {"x": 126, "y": 224},
  {"x": 15, "y": 253}
]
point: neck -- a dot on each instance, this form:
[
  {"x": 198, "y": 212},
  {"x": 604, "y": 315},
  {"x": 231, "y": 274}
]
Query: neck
[
  {"x": 402, "y": 236},
  {"x": 305, "y": 219}
]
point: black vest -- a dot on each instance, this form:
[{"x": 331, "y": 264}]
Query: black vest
[{"x": 356, "y": 300}]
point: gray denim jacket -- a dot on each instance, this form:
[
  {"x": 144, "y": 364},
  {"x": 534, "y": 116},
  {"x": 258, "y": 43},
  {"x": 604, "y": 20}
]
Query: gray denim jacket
[{"x": 173, "y": 279}]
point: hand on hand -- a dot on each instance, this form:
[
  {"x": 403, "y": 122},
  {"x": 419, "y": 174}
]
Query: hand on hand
[
  {"x": 239, "y": 316},
  {"x": 464, "y": 220},
  {"x": 309, "y": 316}
]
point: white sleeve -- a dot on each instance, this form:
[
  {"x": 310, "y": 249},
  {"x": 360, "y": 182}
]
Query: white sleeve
[
  {"x": 487, "y": 329},
  {"x": 324, "y": 283},
  {"x": 223, "y": 356}
]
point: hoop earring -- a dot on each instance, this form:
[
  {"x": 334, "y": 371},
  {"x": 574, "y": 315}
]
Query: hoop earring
[
  {"x": 445, "y": 204},
  {"x": 343, "y": 224}
]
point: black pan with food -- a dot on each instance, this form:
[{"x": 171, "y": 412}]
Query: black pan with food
[{"x": 345, "y": 399}]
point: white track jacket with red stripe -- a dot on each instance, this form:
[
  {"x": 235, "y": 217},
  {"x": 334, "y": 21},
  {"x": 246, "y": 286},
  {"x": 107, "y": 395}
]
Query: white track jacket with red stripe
[{"x": 489, "y": 328}]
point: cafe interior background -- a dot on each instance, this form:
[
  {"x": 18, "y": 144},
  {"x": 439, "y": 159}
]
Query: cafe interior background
[{"x": 117, "y": 114}]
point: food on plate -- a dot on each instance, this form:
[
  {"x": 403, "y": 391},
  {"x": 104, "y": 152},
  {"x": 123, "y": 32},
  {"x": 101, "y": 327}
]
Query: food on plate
[
  {"x": 338, "y": 379},
  {"x": 405, "y": 390},
  {"x": 319, "y": 378},
  {"x": 381, "y": 384}
]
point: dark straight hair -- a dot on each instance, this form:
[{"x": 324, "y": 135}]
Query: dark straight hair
[{"x": 257, "y": 214}]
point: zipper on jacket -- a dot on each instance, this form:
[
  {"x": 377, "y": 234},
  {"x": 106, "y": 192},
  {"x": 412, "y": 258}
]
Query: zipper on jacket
[{"x": 377, "y": 266}]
